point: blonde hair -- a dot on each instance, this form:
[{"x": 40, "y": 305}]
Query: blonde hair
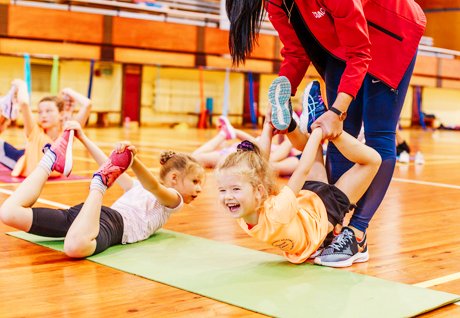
[
  {"x": 249, "y": 162},
  {"x": 56, "y": 100},
  {"x": 181, "y": 162}
]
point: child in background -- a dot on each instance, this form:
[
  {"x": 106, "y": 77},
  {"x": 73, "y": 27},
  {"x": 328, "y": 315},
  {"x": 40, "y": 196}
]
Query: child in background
[
  {"x": 49, "y": 126},
  {"x": 90, "y": 228},
  {"x": 298, "y": 217},
  {"x": 284, "y": 157},
  {"x": 71, "y": 99}
]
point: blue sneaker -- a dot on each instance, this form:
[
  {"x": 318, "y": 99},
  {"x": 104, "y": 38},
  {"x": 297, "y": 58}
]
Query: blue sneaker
[
  {"x": 312, "y": 106},
  {"x": 279, "y": 95},
  {"x": 344, "y": 250}
]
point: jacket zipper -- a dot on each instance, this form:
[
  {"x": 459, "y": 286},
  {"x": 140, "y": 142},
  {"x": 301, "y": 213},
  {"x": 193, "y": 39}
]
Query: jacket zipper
[{"x": 381, "y": 29}]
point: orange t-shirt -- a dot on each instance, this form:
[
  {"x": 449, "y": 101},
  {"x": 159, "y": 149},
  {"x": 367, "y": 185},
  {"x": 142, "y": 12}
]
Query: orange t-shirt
[
  {"x": 296, "y": 225},
  {"x": 33, "y": 153}
]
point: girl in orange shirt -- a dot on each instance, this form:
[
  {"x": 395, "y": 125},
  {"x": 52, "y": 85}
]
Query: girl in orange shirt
[{"x": 298, "y": 217}]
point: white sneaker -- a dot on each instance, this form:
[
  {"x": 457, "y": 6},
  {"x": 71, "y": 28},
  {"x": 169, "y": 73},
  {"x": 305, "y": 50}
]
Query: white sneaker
[
  {"x": 7, "y": 107},
  {"x": 419, "y": 159},
  {"x": 404, "y": 157}
]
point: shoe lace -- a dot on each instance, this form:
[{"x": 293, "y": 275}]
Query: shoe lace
[
  {"x": 313, "y": 104},
  {"x": 341, "y": 240},
  {"x": 111, "y": 172}
]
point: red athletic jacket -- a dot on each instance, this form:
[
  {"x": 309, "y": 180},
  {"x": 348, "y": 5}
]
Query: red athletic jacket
[{"x": 375, "y": 36}]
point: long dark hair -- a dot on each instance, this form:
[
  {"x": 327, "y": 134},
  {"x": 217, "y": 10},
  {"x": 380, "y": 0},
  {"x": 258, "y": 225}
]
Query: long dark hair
[{"x": 245, "y": 18}]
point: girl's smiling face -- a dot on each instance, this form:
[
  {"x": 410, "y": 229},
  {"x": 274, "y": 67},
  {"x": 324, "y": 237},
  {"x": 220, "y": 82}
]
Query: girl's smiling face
[{"x": 237, "y": 196}]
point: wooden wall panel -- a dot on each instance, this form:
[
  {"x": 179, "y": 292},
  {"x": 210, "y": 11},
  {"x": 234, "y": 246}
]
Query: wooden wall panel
[
  {"x": 277, "y": 48},
  {"x": 444, "y": 28},
  {"x": 257, "y": 66},
  {"x": 266, "y": 47},
  {"x": 64, "y": 50},
  {"x": 54, "y": 24},
  {"x": 3, "y": 19},
  {"x": 455, "y": 84},
  {"x": 438, "y": 4},
  {"x": 216, "y": 42},
  {"x": 449, "y": 68},
  {"x": 154, "y": 35},
  {"x": 218, "y": 62},
  {"x": 423, "y": 81},
  {"x": 426, "y": 65},
  {"x": 152, "y": 58}
]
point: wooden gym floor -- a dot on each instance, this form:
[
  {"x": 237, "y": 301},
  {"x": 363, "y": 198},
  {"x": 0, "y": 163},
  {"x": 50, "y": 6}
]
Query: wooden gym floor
[{"x": 412, "y": 239}]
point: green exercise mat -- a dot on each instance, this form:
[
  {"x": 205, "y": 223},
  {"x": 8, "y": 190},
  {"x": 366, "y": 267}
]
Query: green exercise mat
[{"x": 259, "y": 281}]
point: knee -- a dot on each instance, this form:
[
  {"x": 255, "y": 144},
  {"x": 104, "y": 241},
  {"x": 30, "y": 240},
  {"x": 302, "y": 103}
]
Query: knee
[
  {"x": 375, "y": 160},
  {"x": 77, "y": 247},
  {"x": 8, "y": 213},
  {"x": 383, "y": 143}
]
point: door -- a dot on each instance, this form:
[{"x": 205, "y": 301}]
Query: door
[{"x": 131, "y": 97}]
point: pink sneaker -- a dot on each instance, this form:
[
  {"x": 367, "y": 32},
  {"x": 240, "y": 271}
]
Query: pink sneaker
[
  {"x": 62, "y": 149},
  {"x": 114, "y": 166},
  {"x": 227, "y": 128}
]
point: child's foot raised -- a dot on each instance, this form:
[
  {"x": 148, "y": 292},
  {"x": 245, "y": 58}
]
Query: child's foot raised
[
  {"x": 117, "y": 163},
  {"x": 61, "y": 152},
  {"x": 227, "y": 128},
  {"x": 312, "y": 106},
  {"x": 279, "y": 95}
]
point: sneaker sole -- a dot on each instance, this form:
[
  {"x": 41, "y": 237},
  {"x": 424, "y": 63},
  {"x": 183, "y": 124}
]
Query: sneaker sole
[
  {"x": 68, "y": 155},
  {"x": 304, "y": 117},
  {"x": 316, "y": 253},
  {"x": 279, "y": 94},
  {"x": 357, "y": 258}
]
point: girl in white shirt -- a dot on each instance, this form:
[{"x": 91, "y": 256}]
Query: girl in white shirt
[{"x": 90, "y": 228}]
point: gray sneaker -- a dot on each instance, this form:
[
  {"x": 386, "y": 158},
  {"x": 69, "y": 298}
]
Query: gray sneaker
[
  {"x": 279, "y": 95},
  {"x": 328, "y": 240},
  {"x": 344, "y": 250}
]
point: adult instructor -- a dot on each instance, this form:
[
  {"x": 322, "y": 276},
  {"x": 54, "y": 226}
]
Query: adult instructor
[{"x": 365, "y": 51}]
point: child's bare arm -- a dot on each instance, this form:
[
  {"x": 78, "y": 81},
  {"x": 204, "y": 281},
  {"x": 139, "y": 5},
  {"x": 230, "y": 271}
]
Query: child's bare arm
[
  {"x": 282, "y": 152},
  {"x": 165, "y": 196},
  {"x": 266, "y": 136},
  {"x": 23, "y": 99},
  {"x": 306, "y": 162},
  {"x": 85, "y": 105},
  {"x": 242, "y": 135},
  {"x": 125, "y": 181}
]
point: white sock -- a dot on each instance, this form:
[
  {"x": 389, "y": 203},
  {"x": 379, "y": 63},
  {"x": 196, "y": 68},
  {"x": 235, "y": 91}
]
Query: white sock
[
  {"x": 47, "y": 161},
  {"x": 97, "y": 184}
]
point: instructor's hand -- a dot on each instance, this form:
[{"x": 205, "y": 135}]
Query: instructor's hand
[{"x": 330, "y": 124}]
